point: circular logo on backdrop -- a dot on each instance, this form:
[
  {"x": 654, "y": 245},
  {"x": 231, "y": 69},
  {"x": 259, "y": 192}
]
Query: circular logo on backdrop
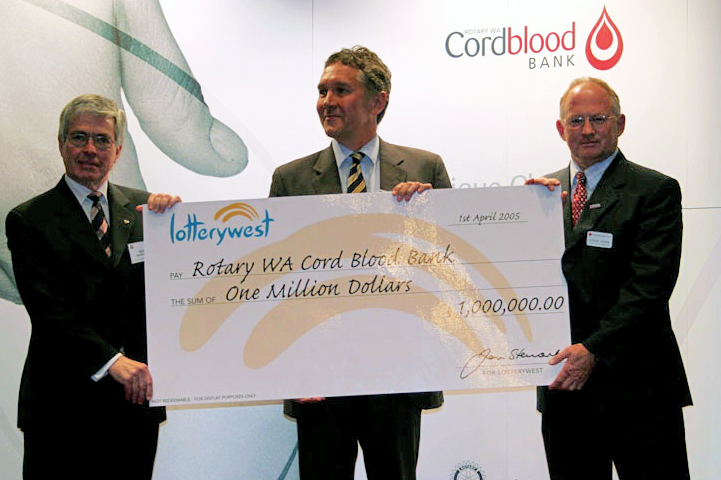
[{"x": 467, "y": 471}]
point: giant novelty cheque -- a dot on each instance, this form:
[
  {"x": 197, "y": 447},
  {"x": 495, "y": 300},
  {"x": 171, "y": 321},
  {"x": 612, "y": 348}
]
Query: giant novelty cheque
[{"x": 354, "y": 294}]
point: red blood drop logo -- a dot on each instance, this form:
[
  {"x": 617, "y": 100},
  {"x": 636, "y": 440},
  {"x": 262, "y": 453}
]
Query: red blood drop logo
[
  {"x": 605, "y": 44},
  {"x": 604, "y": 39}
]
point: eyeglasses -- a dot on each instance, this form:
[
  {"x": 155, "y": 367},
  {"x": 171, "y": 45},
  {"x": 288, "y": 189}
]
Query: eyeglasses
[
  {"x": 80, "y": 139},
  {"x": 578, "y": 122}
]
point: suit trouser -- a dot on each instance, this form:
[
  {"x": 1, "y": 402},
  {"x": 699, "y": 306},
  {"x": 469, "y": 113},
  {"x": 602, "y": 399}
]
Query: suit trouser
[
  {"x": 121, "y": 445},
  {"x": 583, "y": 439},
  {"x": 386, "y": 426}
]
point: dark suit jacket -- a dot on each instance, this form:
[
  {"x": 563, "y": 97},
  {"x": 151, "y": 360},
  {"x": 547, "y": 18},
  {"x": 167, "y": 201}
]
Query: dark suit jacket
[
  {"x": 619, "y": 296},
  {"x": 83, "y": 306},
  {"x": 317, "y": 174}
]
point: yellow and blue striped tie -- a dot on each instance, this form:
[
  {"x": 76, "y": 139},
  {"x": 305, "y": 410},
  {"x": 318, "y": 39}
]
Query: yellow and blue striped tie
[{"x": 356, "y": 184}]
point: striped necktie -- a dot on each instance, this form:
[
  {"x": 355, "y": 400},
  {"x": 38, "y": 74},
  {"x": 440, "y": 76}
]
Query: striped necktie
[
  {"x": 99, "y": 223},
  {"x": 356, "y": 184}
]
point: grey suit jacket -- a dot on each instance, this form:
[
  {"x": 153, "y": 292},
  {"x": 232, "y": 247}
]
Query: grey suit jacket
[
  {"x": 317, "y": 174},
  {"x": 619, "y": 296},
  {"x": 83, "y": 306}
]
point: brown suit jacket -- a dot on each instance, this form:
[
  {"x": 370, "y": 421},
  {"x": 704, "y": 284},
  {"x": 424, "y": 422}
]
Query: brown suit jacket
[{"x": 317, "y": 174}]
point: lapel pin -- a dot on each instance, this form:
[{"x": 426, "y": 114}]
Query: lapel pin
[
  {"x": 593, "y": 206},
  {"x": 126, "y": 221}
]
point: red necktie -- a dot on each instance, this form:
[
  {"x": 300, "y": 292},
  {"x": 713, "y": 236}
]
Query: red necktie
[{"x": 579, "y": 197}]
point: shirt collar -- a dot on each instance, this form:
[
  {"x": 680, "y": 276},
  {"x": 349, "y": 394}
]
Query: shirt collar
[
  {"x": 81, "y": 192},
  {"x": 370, "y": 150},
  {"x": 593, "y": 173}
]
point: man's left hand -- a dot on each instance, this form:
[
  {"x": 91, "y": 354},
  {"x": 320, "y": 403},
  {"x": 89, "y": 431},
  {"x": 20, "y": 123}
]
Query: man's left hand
[
  {"x": 135, "y": 377},
  {"x": 405, "y": 190},
  {"x": 159, "y": 202},
  {"x": 578, "y": 367}
]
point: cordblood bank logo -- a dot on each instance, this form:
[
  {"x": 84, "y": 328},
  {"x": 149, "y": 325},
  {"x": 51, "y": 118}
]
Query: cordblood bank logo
[
  {"x": 604, "y": 46},
  {"x": 195, "y": 230},
  {"x": 543, "y": 49},
  {"x": 509, "y": 42}
]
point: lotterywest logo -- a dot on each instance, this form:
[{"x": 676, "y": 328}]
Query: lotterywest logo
[
  {"x": 195, "y": 230},
  {"x": 604, "y": 45}
]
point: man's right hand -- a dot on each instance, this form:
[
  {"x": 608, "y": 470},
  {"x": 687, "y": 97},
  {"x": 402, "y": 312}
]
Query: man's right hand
[{"x": 550, "y": 183}]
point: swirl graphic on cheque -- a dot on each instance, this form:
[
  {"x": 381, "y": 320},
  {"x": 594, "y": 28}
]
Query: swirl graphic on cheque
[
  {"x": 390, "y": 236},
  {"x": 237, "y": 209}
]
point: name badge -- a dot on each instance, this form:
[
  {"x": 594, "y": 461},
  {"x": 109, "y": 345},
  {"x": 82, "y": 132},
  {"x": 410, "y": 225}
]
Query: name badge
[
  {"x": 137, "y": 252},
  {"x": 599, "y": 239}
]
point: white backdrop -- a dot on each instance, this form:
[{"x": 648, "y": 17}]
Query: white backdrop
[{"x": 490, "y": 116}]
